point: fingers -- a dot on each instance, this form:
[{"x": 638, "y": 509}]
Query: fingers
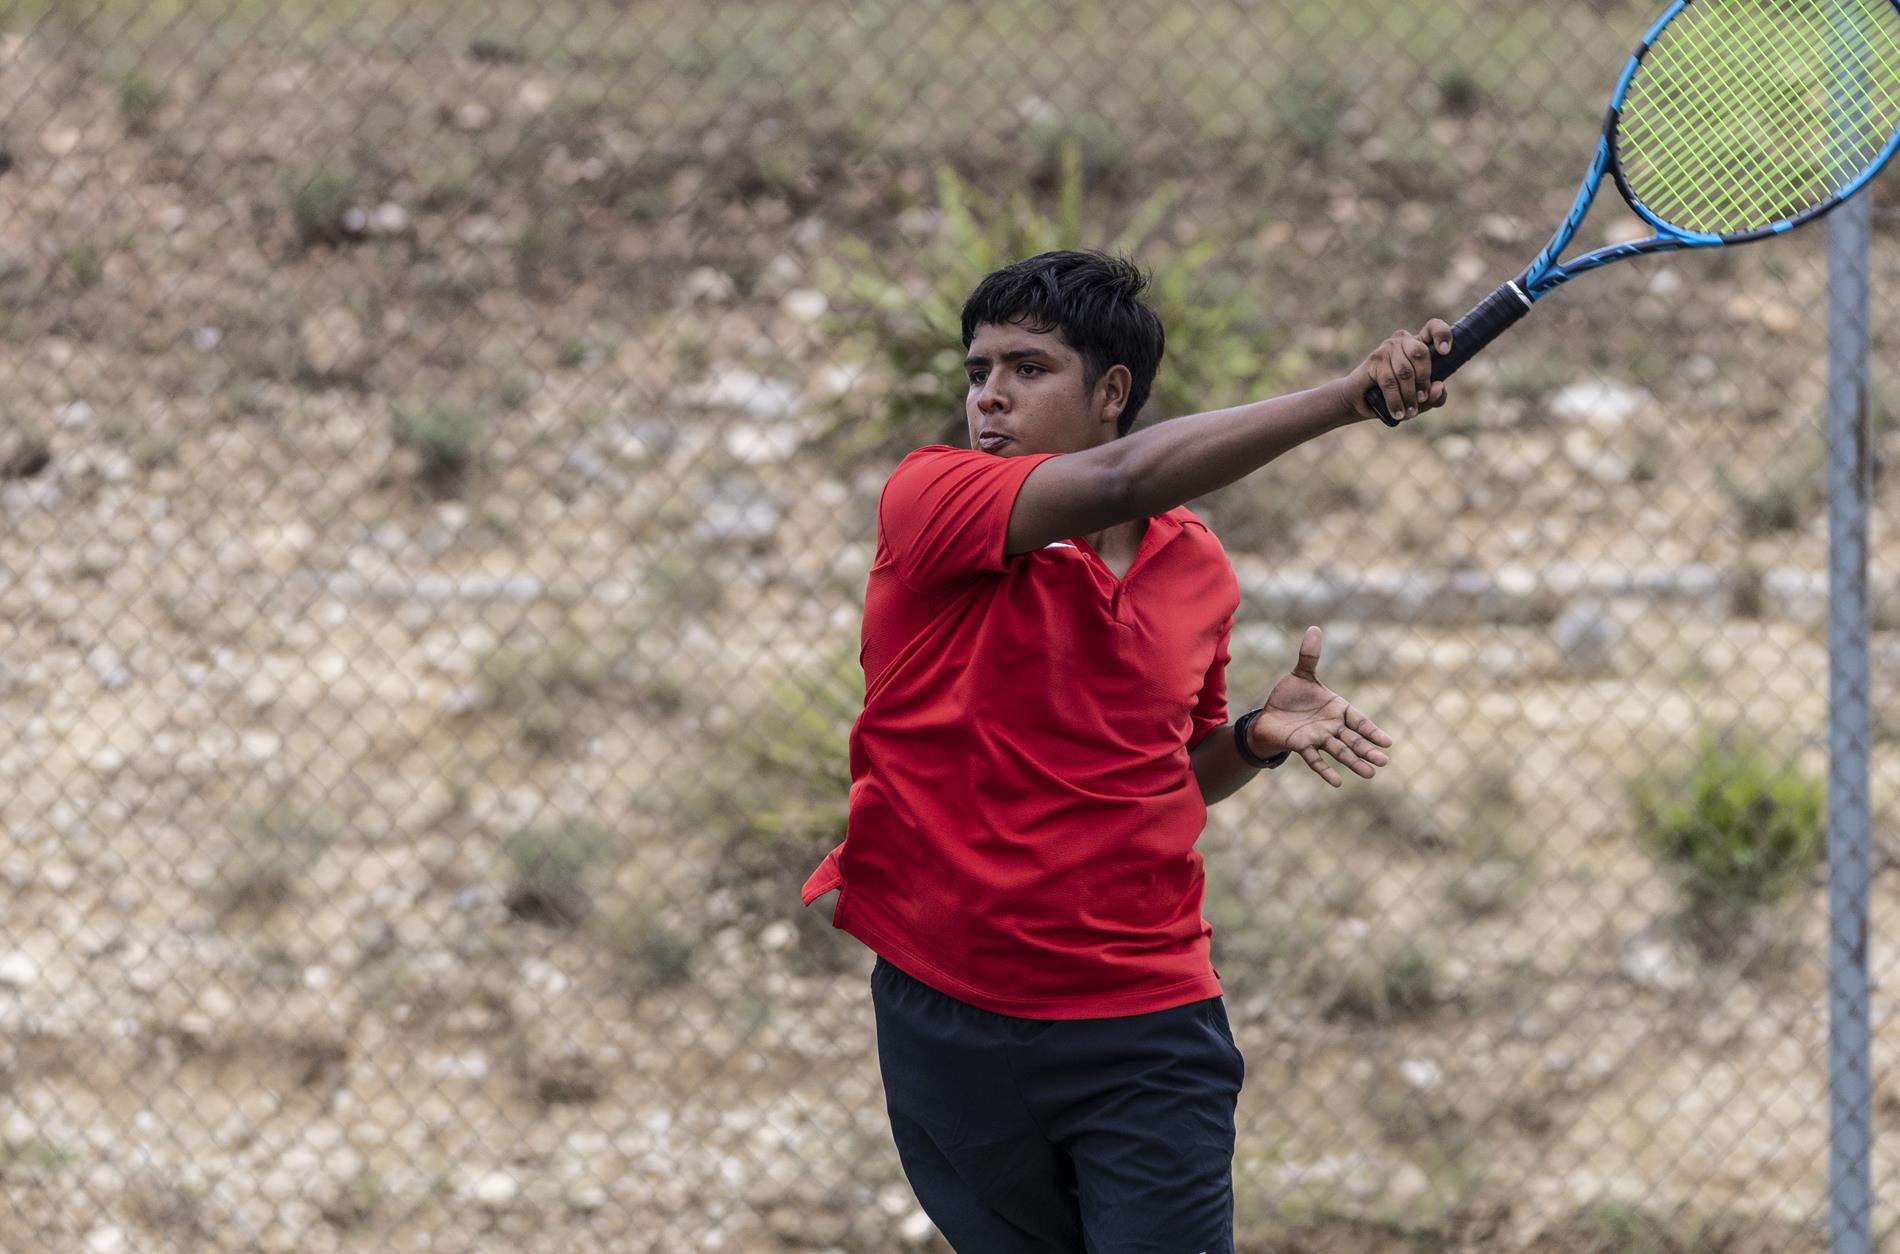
[
  {"x": 1404, "y": 390},
  {"x": 1364, "y": 726},
  {"x": 1363, "y": 749},
  {"x": 1418, "y": 370},
  {"x": 1355, "y": 749},
  {"x": 1402, "y": 370},
  {"x": 1385, "y": 377},
  {"x": 1308, "y": 665},
  {"x": 1312, "y": 758},
  {"x": 1437, "y": 334}
]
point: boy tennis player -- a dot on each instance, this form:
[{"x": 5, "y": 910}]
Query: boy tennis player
[{"x": 1045, "y": 723}]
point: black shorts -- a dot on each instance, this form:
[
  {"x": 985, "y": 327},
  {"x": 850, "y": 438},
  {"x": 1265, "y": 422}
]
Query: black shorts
[{"x": 1067, "y": 1136}]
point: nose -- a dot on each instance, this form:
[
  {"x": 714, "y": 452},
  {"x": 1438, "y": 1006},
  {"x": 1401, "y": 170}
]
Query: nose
[{"x": 990, "y": 398}]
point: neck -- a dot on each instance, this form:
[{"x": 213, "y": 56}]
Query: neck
[{"x": 1121, "y": 535}]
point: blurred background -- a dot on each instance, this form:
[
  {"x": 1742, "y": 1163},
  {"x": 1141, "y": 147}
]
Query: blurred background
[{"x": 438, "y": 453}]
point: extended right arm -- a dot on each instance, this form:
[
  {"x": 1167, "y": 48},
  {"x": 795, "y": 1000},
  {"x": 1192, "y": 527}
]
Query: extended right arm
[{"x": 1172, "y": 463}]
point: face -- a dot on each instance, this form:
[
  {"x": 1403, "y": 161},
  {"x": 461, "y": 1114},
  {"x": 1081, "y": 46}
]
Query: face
[{"x": 1026, "y": 394}]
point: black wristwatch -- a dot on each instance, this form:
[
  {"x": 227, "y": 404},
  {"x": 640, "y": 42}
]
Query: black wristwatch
[{"x": 1247, "y": 755}]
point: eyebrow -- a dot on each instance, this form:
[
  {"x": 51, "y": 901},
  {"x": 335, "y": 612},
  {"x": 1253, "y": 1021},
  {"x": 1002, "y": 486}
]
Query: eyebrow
[{"x": 1014, "y": 354}]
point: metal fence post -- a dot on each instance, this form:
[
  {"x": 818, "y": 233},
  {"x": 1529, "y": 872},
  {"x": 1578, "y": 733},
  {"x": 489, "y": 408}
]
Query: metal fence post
[{"x": 1850, "y": 483}]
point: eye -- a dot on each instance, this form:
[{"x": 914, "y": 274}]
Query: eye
[
  {"x": 976, "y": 377},
  {"x": 1030, "y": 369}
]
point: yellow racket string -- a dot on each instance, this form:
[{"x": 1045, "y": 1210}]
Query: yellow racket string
[
  {"x": 1740, "y": 155},
  {"x": 1744, "y": 157},
  {"x": 1745, "y": 113}
]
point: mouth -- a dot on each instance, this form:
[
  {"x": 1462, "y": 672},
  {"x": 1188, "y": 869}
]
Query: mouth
[{"x": 990, "y": 441}]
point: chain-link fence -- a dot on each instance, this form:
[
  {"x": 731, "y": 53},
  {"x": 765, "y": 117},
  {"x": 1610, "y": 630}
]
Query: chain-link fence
[{"x": 440, "y": 450}]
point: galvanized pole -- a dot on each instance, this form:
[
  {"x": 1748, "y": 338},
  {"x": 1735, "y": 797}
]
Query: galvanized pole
[{"x": 1850, "y": 486}]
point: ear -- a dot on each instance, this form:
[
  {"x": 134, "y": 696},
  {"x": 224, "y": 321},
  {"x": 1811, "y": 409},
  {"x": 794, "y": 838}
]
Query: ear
[{"x": 1111, "y": 392}]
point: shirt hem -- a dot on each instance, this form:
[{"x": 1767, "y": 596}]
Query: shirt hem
[{"x": 1147, "y": 1001}]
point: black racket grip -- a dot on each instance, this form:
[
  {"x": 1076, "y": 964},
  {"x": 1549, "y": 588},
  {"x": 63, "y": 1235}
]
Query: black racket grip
[{"x": 1488, "y": 320}]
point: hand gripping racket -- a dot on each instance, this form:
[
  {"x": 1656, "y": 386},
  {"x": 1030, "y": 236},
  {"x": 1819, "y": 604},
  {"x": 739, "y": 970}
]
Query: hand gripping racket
[{"x": 1735, "y": 120}]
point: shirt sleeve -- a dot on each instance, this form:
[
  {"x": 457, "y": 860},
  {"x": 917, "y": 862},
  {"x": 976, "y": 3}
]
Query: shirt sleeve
[
  {"x": 945, "y": 512},
  {"x": 1210, "y": 710}
]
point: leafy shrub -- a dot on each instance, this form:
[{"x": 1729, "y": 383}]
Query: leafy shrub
[
  {"x": 280, "y": 842},
  {"x": 318, "y": 202},
  {"x": 1777, "y": 503},
  {"x": 1218, "y": 341},
  {"x": 444, "y": 438},
  {"x": 548, "y": 881},
  {"x": 800, "y": 761},
  {"x": 1610, "y": 1227},
  {"x": 540, "y": 686},
  {"x": 1739, "y": 829},
  {"x": 139, "y": 102},
  {"x": 88, "y": 266},
  {"x": 648, "y": 953},
  {"x": 1378, "y": 984},
  {"x": 783, "y": 803}
]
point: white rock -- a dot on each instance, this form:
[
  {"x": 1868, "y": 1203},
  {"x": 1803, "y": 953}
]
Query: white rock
[
  {"x": 781, "y": 273},
  {"x": 752, "y": 520},
  {"x": 1589, "y": 455},
  {"x": 778, "y": 935},
  {"x": 77, "y": 414},
  {"x": 1421, "y": 1073},
  {"x": 462, "y": 1067},
  {"x": 534, "y": 96},
  {"x": 707, "y": 284},
  {"x": 749, "y": 393},
  {"x": 1599, "y": 404},
  {"x": 538, "y": 973},
  {"x": 1627, "y": 231},
  {"x": 1407, "y": 1185},
  {"x": 1500, "y": 228},
  {"x": 761, "y": 445},
  {"x": 805, "y": 304},
  {"x": 1653, "y": 964},
  {"x": 107, "y": 1240},
  {"x": 836, "y": 380},
  {"x": 17, "y": 970},
  {"x": 916, "y": 1229},
  {"x": 108, "y": 667},
  {"x": 496, "y": 1189},
  {"x": 389, "y": 218}
]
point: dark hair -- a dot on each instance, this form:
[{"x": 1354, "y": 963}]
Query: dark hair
[{"x": 1092, "y": 300}]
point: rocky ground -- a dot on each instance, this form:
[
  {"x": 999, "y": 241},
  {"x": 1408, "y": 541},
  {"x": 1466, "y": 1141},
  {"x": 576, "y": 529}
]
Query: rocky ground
[{"x": 430, "y": 572}]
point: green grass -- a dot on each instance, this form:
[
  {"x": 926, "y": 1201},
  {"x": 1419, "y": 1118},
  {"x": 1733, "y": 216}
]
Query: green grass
[
  {"x": 31, "y": 1154},
  {"x": 112, "y": 16}
]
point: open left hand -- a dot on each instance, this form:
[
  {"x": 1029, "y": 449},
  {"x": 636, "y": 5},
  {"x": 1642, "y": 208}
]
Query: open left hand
[{"x": 1306, "y": 716}]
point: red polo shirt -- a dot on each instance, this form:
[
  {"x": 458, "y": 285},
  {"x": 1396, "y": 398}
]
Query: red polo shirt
[{"x": 1023, "y": 811}]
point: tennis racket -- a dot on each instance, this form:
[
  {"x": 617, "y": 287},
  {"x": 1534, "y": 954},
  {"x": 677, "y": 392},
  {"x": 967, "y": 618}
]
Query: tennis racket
[{"x": 1735, "y": 120}]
